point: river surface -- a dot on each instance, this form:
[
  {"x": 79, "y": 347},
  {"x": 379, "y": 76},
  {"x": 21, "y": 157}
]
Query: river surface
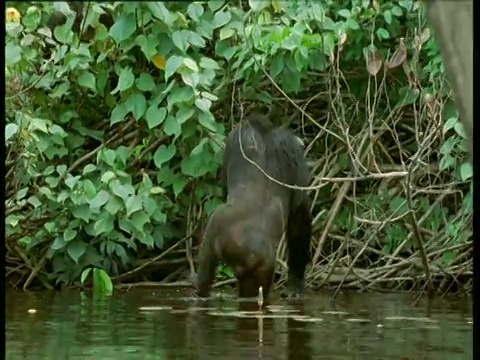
[{"x": 168, "y": 324}]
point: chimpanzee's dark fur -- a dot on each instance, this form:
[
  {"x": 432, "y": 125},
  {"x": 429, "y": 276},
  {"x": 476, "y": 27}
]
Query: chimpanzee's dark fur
[{"x": 244, "y": 232}]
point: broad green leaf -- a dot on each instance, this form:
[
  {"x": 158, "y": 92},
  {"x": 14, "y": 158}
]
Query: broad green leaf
[
  {"x": 89, "y": 189},
  {"x": 459, "y": 129},
  {"x": 397, "y": 11},
  {"x": 133, "y": 204},
  {"x": 159, "y": 10},
  {"x": 195, "y": 11},
  {"x": 139, "y": 219},
  {"x": 221, "y": 18},
  {"x": 172, "y": 126},
  {"x": 193, "y": 166},
  {"x": 109, "y": 156},
  {"x": 69, "y": 234},
  {"x": 82, "y": 212},
  {"x": 71, "y": 181},
  {"x": 383, "y": 34},
  {"x": 224, "y": 49},
  {"x": 100, "y": 199},
  {"x": 107, "y": 176},
  {"x": 114, "y": 205},
  {"x": 191, "y": 79},
  {"x": 466, "y": 171},
  {"x": 87, "y": 80},
  {"x": 172, "y": 65},
  {"x": 85, "y": 274},
  {"x": 123, "y": 28},
  {"x": 88, "y": 169},
  {"x": 122, "y": 191},
  {"x": 76, "y": 249},
  {"x": 10, "y": 130},
  {"x": 104, "y": 225},
  {"x": 13, "y": 54},
  {"x": 214, "y": 5},
  {"x": 449, "y": 124},
  {"x": 203, "y": 104},
  {"x": 155, "y": 116},
  {"x": 387, "y": 15},
  {"x": 119, "y": 114},
  {"x": 148, "y": 44},
  {"x": 345, "y": 13},
  {"x": 189, "y": 63},
  {"x": 180, "y": 40},
  {"x": 125, "y": 80},
  {"x": 194, "y": 39},
  {"x": 145, "y": 82},
  {"x": 207, "y": 120},
  {"x": 33, "y": 200},
  {"x": 197, "y": 150},
  {"x": 58, "y": 244},
  {"x": 163, "y": 154},
  {"x": 226, "y": 33},
  {"x": 208, "y": 63},
  {"x": 102, "y": 283},
  {"x": 258, "y": 5},
  {"x": 137, "y": 104},
  {"x": 184, "y": 113}
]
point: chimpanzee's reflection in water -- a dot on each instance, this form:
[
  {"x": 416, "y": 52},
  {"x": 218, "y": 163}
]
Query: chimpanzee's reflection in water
[{"x": 213, "y": 335}]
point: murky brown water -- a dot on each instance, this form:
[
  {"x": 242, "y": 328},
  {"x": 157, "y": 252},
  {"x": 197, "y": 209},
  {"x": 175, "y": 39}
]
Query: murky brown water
[{"x": 355, "y": 326}]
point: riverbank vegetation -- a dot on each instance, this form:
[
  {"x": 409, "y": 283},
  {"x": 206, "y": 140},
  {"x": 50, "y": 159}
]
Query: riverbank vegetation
[{"x": 114, "y": 136}]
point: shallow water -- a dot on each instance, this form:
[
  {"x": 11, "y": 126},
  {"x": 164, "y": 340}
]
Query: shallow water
[{"x": 166, "y": 324}]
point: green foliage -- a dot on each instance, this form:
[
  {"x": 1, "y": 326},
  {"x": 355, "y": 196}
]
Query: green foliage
[
  {"x": 113, "y": 140},
  {"x": 102, "y": 283}
]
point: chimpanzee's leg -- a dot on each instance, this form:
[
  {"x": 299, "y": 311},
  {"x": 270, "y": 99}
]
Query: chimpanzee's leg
[
  {"x": 208, "y": 266},
  {"x": 299, "y": 232},
  {"x": 208, "y": 262}
]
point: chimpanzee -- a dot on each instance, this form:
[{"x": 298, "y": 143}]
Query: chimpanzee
[{"x": 245, "y": 231}]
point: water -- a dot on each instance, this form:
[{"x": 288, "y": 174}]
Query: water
[{"x": 70, "y": 325}]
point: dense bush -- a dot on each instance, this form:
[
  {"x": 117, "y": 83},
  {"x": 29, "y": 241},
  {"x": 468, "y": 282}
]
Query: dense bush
[{"x": 114, "y": 136}]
